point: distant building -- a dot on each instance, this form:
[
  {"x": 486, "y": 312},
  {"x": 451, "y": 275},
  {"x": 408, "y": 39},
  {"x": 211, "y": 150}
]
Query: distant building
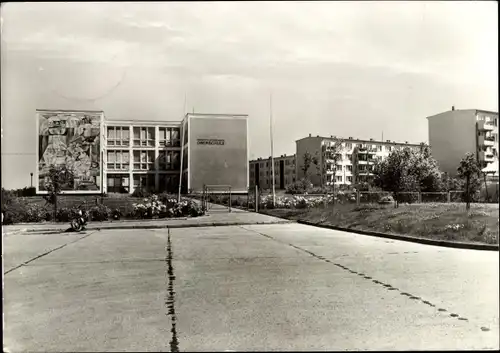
[
  {"x": 355, "y": 165},
  {"x": 454, "y": 133},
  {"x": 284, "y": 172}
]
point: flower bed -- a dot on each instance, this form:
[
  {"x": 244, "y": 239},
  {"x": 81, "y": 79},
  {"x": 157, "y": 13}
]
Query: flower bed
[
  {"x": 153, "y": 207},
  {"x": 303, "y": 202}
]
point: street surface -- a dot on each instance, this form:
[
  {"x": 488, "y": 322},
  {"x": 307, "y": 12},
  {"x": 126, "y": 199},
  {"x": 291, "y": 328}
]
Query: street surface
[{"x": 252, "y": 287}]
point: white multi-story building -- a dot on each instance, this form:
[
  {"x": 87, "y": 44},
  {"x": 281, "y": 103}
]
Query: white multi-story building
[
  {"x": 142, "y": 154},
  {"x": 454, "y": 133},
  {"x": 355, "y": 161}
]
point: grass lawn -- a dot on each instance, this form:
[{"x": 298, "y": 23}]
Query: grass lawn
[{"x": 429, "y": 220}]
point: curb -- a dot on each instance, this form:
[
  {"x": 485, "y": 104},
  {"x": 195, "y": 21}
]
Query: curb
[
  {"x": 443, "y": 243},
  {"x": 160, "y": 226}
]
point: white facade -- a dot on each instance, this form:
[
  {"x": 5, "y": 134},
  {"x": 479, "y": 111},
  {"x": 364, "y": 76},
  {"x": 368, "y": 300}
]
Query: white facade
[
  {"x": 141, "y": 154},
  {"x": 355, "y": 163},
  {"x": 454, "y": 133}
]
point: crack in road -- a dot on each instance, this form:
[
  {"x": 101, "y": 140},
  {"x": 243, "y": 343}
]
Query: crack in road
[
  {"x": 170, "y": 298},
  {"x": 47, "y": 253},
  {"x": 384, "y": 285}
]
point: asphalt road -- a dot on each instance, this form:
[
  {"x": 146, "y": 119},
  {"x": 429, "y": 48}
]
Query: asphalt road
[{"x": 262, "y": 287}]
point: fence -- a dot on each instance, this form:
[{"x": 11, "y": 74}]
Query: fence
[{"x": 365, "y": 197}]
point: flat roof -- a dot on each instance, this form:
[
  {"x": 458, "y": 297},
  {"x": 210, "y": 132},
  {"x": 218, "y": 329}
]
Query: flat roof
[
  {"x": 210, "y": 114},
  {"x": 142, "y": 122},
  {"x": 463, "y": 110},
  {"x": 359, "y": 140},
  {"x": 70, "y": 111},
  {"x": 260, "y": 159}
]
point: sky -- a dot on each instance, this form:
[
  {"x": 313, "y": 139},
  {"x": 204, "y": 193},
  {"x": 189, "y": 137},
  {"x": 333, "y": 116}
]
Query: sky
[{"x": 359, "y": 69}]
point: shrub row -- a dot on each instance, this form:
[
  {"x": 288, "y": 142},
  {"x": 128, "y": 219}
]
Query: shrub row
[{"x": 19, "y": 211}]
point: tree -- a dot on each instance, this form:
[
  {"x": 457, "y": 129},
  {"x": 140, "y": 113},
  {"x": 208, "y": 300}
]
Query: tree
[
  {"x": 309, "y": 160},
  {"x": 469, "y": 171},
  {"x": 58, "y": 179},
  {"x": 407, "y": 170}
]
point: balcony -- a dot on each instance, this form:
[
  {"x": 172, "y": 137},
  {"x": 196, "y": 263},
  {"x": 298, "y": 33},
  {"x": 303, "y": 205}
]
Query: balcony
[
  {"x": 483, "y": 125},
  {"x": 486, "y": 156},
  {"x": 486, "y": 141}
]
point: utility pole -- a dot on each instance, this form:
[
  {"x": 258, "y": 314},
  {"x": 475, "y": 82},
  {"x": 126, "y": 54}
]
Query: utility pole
[{"x": 272, "y": 144}]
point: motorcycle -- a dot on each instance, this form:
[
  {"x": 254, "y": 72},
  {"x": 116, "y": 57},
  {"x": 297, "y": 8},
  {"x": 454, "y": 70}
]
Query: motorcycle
[{"x": 80, "y": 222}]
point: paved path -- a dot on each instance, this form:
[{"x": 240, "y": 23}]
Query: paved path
[
  {"x": 217, "y": 215},
  {"x": 257, "y": 287}
]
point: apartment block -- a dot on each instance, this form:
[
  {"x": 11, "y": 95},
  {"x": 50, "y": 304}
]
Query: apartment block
[
  {"x": 355, "y": 161},
  {"x": 284, "y": 172},
  {"x": 454, "y": 133}
]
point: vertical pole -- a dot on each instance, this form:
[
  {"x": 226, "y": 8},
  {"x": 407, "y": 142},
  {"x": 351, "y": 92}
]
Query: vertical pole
[
  {"x": 358, "y": 198},
  {"x": 272, "y": 144},
  {"x": 229, "y": 199},
  {"x": 448, "y": 196},
  {"x": 31, "y": 175},
  {"x": 419, "y": 197},
  {"x": 256, "y": 199},
  {"x": 182, "y": 161}
]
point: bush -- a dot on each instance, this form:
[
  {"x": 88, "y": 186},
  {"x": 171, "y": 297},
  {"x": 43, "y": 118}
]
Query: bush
[
  {"x": 13, "y": 209},
  {"x": 299, "y": 187},
  {"x": 100, "y": 213},
  {"x": 116, "y": 214},
  {"x": 386, "y": 199},
  {"x": 141, "y": 192},
  {"x": 66, "y": 214}
]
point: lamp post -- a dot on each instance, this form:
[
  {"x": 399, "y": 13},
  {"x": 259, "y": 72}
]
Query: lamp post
[{"x": 31, "y": 175}]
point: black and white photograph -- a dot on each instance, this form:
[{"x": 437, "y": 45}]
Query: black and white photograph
[{"x": 212, "y": 176}]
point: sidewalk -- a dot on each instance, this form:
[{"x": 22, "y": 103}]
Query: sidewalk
[{"x": 217, "y": 216}]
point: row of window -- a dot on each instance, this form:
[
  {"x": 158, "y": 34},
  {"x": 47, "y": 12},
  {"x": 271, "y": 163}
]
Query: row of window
[
  {"x": 143, "y": 136},
  {"x": 143, "y": 160},
  {"x": 378, "y": 148},
  {"x": 121, "y": 183},
  {"x": 348, "y": 179},
  {"x": 276, "y": 164}
]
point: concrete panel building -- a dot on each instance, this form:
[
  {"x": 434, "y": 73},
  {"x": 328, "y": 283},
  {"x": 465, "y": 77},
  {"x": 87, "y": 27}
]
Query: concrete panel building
[
  {"x": 215, "y": 152},
  {"x": 284, "y": 172},
  {"x": 454, "y": 133},
  {"x": 355, "y": 165}
]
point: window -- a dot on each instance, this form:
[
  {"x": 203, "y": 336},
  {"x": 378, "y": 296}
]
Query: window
[
  {"x": 349, "y": 168},
  {"x": 169, "y": 136},
  {"x": 379, "y": 148},
  {"x": 118, "y": 136},
  {"x": 145, "y": 181},
  {"x": 144, "y": 160},
  {"x": 349, "y": 179},
  {"x": 144, "y": 136},
  {"x": 169, "y": 160},
  {"x": 349, "y": 156},
  {"x": 118, "y": 183},
  {"x": 118, "y": 160},
  {"x": 338, "y": 178},
  {"x": 168, "y": 183},
  {"x": 339, "y": 167},
  {"x": 348, "y": 146}
]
